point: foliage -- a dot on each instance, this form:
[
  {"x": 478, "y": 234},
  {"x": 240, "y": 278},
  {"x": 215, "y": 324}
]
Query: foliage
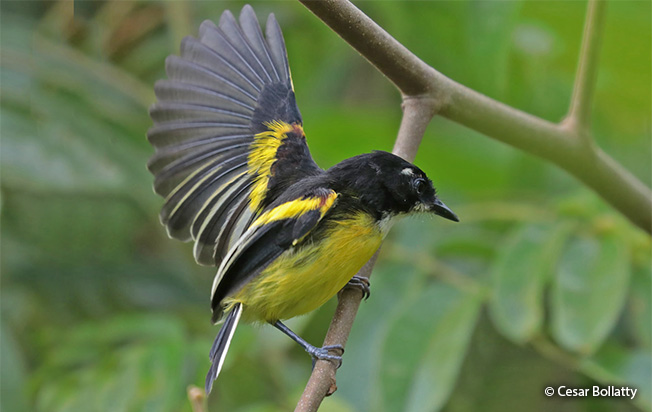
[{"x": 541, "y": 284}]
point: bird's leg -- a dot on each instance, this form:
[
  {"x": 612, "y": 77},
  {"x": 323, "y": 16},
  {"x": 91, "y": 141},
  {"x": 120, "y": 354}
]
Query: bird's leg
[
  {"x": 315, "y": 352},
  {"x": 360, "y": 283}
]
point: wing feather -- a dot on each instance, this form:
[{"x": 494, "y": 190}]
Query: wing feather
[
  {"x": 277, "y": 49},
  {"x": 203, "y": 55},
  {"x": 227, "y": 133},
  {"x": 168, "y": 134},
  {"x": 211, "y": 223},
  {"x": 174, "y": 174},
  {"x": 177, "y": 91},
  {"x": 182, "y": 205},
  {"x": 254, "y": 36},
  {"x": 188, "y": 71},
  {"x": 163, "y": 112},
  {"x": 234, "y": 34},
  {"x": 213, "y": 37},
  {"x": 235, "y": 227}
]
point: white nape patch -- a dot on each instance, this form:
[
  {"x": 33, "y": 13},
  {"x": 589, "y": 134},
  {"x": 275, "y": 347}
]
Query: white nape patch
[{"x": 407, "y": 171}]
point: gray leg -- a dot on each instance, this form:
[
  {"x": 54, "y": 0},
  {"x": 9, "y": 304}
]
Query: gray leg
[{"x": 315, "y": 352}]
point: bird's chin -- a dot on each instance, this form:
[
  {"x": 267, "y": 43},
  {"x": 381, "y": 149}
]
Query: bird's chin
[{"x": 420, "y": 207}]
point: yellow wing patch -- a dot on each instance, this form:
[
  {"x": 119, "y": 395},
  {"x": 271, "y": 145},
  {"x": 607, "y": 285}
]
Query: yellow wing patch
[
  {"x": 297, "y": 208},
  {"x": 262, "y": 156}
]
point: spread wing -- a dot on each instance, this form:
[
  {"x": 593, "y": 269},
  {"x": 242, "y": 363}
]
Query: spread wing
[
  {"x": 227, "y": 132},
  {"x": 272, "y": 233}
]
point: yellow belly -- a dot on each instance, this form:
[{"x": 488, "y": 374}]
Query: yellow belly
[{"x": 294, "y": 285}]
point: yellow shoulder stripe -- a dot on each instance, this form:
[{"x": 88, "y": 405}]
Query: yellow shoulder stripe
[
  {"x": 296, "y": 208},
  {"x": 262, "y": 156}
]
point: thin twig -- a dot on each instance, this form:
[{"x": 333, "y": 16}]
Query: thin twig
[
  {"x": 579, "y": 114},
  {"x": 197, "y": 398},
  {"x": 417, "y": 113}
]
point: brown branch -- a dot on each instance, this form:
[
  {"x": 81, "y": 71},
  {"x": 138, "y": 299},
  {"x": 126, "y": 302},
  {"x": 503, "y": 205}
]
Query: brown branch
[{"x": 417, "y": 113}]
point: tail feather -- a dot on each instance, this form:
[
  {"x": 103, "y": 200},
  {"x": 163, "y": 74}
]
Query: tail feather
[{"x": 221, "y": 345}]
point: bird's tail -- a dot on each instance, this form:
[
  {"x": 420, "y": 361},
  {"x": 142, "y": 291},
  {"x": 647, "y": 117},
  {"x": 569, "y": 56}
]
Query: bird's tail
[{"x": 221, "y": 345}]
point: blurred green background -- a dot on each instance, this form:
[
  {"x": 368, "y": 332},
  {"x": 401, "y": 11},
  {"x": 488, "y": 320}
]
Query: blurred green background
[{"x": 541, "y": 284}]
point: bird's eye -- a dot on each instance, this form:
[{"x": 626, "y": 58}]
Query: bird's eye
[{"x": 419, "y": 186}]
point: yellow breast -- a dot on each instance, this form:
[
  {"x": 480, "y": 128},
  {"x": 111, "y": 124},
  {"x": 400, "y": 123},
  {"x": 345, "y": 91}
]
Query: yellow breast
[{"x": 304, "y": 278}]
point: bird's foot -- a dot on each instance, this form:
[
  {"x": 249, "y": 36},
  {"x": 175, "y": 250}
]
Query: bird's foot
[
  {"x": 360, "y": 283},
  {"x": 323, "y": 353}
]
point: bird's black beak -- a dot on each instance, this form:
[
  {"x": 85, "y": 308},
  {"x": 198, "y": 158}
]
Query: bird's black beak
[{"x": 440, "y": 209}]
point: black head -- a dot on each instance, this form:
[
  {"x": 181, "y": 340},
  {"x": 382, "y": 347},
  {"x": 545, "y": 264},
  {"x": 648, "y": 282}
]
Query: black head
[{"x": 387, "y": 184}]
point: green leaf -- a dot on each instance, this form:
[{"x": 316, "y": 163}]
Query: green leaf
[
  {"x": 589, "y": 290},
  {"x": 13, "y": 395},
  {"x": 390, "y": 285},
  {"x": 71, "y": 123},
  {"x": 439, "y": 368},
  {"x": 615, "y": 365},
  {"x": 640, "y": 305},
  {"x": 70, "y": 231},
  {"x": 489, "y": 30},
  {"x": 519, "y": 276},
  {"x": 126, "y": 364},
  {"x": 423, "y": 348}
]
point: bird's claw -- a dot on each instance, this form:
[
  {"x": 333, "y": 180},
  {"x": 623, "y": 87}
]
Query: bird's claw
[
  {"x": 360, "y": 283},
  {"x": 323, "y": 353}
]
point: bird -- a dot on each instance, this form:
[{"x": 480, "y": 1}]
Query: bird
[{"x": 232, "y": 163}]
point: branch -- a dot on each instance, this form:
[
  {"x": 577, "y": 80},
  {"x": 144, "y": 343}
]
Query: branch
[
  {"x": 516, "y": 128},
  {"x": 417, "y": 113},
  {"x": 587, "y": 69}
]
